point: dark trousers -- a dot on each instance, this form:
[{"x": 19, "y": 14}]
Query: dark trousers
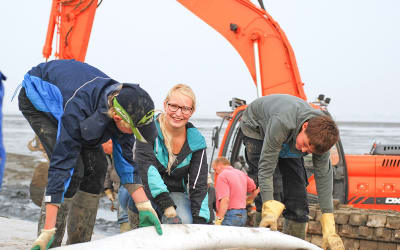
[
  {"x": 289, "y": 186},
  {"x": 91, "y": 167}
]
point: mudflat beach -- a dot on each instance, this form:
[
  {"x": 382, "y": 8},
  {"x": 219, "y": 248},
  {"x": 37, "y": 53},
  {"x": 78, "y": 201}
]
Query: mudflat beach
[{"x": 18, "y": 214}]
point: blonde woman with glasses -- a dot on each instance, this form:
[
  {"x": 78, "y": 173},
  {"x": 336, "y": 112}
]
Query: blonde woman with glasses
[{"x": 174, "y": 169}]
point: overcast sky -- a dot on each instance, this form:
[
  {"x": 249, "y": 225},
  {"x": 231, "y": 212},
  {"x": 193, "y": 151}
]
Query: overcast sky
[{"x": 346, "y": 49}]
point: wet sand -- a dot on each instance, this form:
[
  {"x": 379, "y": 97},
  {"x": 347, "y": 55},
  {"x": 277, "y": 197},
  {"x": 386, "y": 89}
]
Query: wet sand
[{"x": 19, "y": 215}]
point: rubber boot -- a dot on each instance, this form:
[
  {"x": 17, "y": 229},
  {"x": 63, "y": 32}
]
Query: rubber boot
[
  {"x": 124, "y": 227},
  {"x": 38, "y": 183},
  {"x": 62, "y": 215},
  {"x": 133, "y": 219},
  {"x": 294, "y": 228},
  {"x": 257, "y": 219},
  {"x": 82, "y": 217}
]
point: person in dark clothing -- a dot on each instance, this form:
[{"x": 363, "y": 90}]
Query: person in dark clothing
[{"x": 73, "y": 108}]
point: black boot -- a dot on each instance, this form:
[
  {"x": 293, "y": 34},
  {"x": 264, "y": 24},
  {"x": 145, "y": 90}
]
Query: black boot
[
  {"x": 294, "y": 228},
  {"x": 82, "y": 217}
]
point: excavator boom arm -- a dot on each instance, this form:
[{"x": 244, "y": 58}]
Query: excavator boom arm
[
  {"x": 73, "y": 20},
  {"x": 258, "y": 39}
]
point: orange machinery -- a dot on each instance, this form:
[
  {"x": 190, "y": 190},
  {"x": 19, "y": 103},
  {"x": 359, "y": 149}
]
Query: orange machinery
[
  {"x": 365, "y": 181},
  {"x": 73, "y": 20}
]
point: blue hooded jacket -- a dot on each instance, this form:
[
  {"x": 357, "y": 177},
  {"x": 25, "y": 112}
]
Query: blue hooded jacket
[{"x": 76, "y": 93}]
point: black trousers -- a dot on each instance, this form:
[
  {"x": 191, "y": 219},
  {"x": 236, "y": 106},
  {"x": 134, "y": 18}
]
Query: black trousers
[
  {"x": 91, "y": 167},
  {"x": 289, "y": 185}
]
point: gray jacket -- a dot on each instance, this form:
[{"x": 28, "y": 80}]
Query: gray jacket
[{"x": 277, "y": 120}]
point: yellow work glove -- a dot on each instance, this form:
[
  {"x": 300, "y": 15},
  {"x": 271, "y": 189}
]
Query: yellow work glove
[
  {"x": 249, "y": 201},
  {"x": 329, "y": 237},
  {"x": 148, "y": 216},
  {"x": 44, "y": 240},
  {"x": 218, "y": 221},
  {"x": 271, "y": 210},
  {"x": 110, "y": 194}
]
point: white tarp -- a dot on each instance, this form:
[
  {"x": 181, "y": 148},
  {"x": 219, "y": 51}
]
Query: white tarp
[{"x": 191, "y": 236}]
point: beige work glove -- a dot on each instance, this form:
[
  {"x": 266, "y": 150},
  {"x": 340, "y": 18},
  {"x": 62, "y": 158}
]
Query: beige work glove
[
  {"x": 329, "y": 236},
  {"x": 110, "y": 194},
  {"x": 271, "y": 210},
  {"x": 218, "y": 221},
  {"x": 44, "y": 240},
  {"x": 170, "y": 216},
  {"x": 170, "y": 212}
]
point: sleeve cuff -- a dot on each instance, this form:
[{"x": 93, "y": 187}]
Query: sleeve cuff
[
  {"x": 132, "y": 187},
  {"x": 53, "y": 198},
  {"x": 164, "y": 201}
]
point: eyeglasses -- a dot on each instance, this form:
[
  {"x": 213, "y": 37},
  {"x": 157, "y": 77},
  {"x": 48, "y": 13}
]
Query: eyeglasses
[{"x": 185, "y": 110}]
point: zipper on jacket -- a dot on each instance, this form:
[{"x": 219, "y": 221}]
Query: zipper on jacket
[
  {"x": 198, "y": 173},
  {"x": 76, "y": 91}
]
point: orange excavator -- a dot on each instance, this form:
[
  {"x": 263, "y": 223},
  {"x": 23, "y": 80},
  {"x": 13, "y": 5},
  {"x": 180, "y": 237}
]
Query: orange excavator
[
  {"x": 370, "y": 181},
  {"x": 72, "y": 21}
]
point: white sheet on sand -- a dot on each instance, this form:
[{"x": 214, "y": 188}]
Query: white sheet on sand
[{"x": 196, "y": 237}]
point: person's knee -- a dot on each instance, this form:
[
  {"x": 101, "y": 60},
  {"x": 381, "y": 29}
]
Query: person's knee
[
  {"x": 183, "y": 210},
  {"x": 296, "y": 210}
]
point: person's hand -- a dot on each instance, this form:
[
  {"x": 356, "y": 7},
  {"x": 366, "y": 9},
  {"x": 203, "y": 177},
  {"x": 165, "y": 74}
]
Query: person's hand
[
  {"x": 148, "y": 216},
  {"x": 107, "y": 147},
  {"x": 249, "y": 201},
  {"x": 44, "y": 240},
  {"x": 271, "y": 210},
  {"x": 218, "y": 221},
  {"x": 329, "y": 236},
  {"x": 110, "y": 194},
  {"x": 170, "y": 216},
  {"x": 170, "y": 212}
]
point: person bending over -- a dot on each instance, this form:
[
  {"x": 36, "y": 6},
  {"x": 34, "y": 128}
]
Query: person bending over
[
  {"x": 74, "y": 108},
  {"x": 278, "y": 131}
]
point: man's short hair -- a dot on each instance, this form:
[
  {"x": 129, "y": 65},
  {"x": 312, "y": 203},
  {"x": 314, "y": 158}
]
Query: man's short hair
[
  {"x": 222, "y": 160},
  {"x": 322, "y": 132}
]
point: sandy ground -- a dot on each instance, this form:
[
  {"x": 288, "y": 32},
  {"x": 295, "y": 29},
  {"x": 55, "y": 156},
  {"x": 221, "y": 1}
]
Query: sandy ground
[
  {"x": 18, "y": 234},
  {"x": 19, "y": 215}
]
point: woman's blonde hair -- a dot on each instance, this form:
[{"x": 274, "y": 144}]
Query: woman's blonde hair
[{"x": 184, "y": 90}]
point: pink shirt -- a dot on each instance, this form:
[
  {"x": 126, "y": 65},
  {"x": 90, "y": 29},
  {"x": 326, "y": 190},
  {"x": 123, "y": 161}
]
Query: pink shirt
[{"x": 234, "y": 184}]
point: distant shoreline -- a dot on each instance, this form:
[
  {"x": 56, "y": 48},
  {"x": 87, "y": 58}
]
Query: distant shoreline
[{"x": 215, "y": 118}]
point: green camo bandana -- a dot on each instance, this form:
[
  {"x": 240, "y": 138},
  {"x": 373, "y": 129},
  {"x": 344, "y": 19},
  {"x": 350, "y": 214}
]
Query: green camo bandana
[{"x": 146, "y": 119}]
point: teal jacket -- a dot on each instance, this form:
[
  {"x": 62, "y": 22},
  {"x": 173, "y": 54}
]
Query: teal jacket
[{"x": 188, "y": 173}]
